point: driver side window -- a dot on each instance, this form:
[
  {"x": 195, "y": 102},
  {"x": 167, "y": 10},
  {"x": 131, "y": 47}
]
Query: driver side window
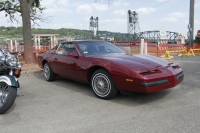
[{"x": 66, "y": 48}]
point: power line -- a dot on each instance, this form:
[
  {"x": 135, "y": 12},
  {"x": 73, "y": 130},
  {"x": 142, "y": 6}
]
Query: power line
[
  {"x": 138, "y": 12},
  {"x": 162, "y": 3}
]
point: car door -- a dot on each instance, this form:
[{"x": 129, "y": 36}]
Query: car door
[
  {"x": 64, "y": 64},
  {"x": 73, "y": 66},
  {"x": 59, "y": 61}
]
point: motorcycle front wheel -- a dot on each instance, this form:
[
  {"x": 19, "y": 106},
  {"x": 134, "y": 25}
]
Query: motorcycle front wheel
[{"x": 7, "y": 97}]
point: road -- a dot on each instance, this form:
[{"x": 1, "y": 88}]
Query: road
[{"x": 65, "y": 106}]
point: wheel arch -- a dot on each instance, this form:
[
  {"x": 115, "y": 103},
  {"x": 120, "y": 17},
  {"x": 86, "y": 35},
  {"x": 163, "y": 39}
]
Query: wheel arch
[
  {"x": 93, "y": 69},
  {"x": 43, "y": 62}
]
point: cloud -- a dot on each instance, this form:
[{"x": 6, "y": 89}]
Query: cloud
[
  {"x": 117, "y": 3},
  {"x": 87, "y": 18},
  {"x": 5, "y": 21},
  {"x": 161, "y": 0},
  {"x": 69, "y": 24},
  {"x": 196, "y": 21},
  {"x": 85, "y": 9},
  {"x": 119, "y": 12},
  {"x": 55, "y": 6},
  {"x": 63, "y": 2},
  {"x": 169, "y": 19},
  {"x": 56, "y": 10},
  {"x": 145, "y": 10},
  {"x": 116, "y": 21},
  {"x": 100, "y": 7},
  {"x": 174, "y": 17},
  {"x": 125, "y": 4},
  {"x": 75, "y": 4},
  {"x": 178, "y": 14},
  {"x": 88, "y": 8},
  {"x": 197, "y": 4},
  {"x": 47, "y": 2},
  {"x": 64, "y": 25},
  {"x": 2, "y": 14}
]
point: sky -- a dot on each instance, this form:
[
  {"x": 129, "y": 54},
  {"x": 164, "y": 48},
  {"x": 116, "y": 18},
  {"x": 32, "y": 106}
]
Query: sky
[{"x": 169, "y": 15}]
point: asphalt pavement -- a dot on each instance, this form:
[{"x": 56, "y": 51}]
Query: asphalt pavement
[{"x": 66, "y": 106}]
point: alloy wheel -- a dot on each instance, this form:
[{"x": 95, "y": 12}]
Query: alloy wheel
[
  {"x": 4, "y": 89},
  {"x": 46, "y": 72},
  {"x": 101, "y": 85}
]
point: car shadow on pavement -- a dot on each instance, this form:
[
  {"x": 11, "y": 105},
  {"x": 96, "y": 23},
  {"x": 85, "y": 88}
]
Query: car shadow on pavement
[
  {"x": 141, "y": 98},
  {"x": 69, "y": 84},
  {"x": 133, "y": 99}
]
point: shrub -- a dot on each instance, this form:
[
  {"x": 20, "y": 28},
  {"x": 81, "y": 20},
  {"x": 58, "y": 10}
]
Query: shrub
[{"x": 197, "y": 39}]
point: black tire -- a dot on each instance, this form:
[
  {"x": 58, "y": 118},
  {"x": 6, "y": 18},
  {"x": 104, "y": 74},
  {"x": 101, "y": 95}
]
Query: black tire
[
  {"x": 103, "y": 85},
  {"x": 49, "y": 75},
  {"x": 7, "y": 97}
]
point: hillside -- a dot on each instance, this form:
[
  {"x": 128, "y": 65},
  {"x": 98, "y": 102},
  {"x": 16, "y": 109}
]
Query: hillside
[{"x": 16, "y": 32}]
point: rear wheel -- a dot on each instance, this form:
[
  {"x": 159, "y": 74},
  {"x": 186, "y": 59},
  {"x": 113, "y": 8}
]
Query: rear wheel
[
  {"x": 48, "y": 73},
  {"x": 103, "y": 85},
  {"x": 7, "y": 97}
]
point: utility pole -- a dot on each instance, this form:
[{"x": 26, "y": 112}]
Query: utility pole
[{"x": 191, "y": 23}]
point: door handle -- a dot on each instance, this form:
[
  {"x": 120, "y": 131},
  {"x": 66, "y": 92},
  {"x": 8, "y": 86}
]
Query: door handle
[{"x": 55, "y": 58}]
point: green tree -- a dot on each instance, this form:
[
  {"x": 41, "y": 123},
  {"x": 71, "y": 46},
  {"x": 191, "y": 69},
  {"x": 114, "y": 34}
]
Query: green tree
[
  {"x": 197, "y": 39},
  {"x": 29, "y": 10}
]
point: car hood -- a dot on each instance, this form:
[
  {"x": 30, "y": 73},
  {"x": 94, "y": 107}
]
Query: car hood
[{"x": 132, "y": 61}]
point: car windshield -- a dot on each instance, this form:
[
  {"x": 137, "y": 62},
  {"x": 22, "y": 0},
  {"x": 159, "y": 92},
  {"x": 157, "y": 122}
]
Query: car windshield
[{"x": 97, "y": 47}]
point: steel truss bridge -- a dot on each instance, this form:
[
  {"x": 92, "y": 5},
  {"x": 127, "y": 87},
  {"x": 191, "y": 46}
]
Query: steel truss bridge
[{"x": 152, "y": 36}]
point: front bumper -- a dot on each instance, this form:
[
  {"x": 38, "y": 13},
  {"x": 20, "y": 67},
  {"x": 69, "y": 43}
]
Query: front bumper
[
  {"x": 167, "y": 83},
  {"x": 180, "y": 76},
  {"x": 155, "y": 83}
]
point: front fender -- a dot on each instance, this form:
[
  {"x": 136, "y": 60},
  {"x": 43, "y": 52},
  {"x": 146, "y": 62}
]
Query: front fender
[{"x": 10, "y": 80}]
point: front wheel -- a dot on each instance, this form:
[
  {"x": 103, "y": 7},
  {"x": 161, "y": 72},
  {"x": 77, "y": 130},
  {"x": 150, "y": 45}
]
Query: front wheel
[
  {"x": 103, "y": 85},
  {"x": 7, "y": 97}
]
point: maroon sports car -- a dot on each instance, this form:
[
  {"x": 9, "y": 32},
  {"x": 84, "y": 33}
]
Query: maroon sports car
[{"x": 108, "y": 68}]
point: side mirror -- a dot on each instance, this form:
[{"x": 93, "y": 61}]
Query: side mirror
[{"x": 74, "y": 54}]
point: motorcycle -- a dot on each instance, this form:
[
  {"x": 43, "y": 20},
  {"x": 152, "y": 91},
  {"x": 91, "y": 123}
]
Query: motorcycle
[{"x": 10, "y": 69}]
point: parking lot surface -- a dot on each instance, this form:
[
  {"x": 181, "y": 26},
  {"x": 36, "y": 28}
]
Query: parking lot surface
[{"x": 66, "y": 106}]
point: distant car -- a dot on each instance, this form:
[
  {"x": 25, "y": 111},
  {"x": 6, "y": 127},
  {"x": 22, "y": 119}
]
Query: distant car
[{"x": 108, "y": 68}]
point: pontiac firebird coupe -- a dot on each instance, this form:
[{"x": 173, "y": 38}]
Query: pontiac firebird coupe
[{"x": 108, "y": 68}]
